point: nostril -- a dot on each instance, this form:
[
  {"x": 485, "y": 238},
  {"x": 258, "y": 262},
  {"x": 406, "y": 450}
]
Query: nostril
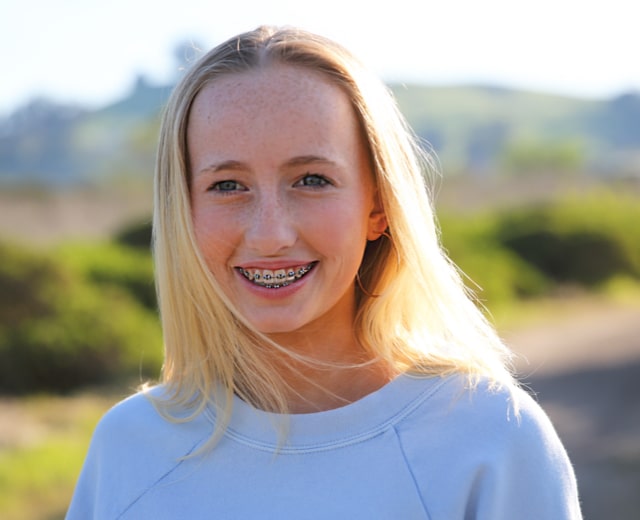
[{"x": 271, "y": 231}]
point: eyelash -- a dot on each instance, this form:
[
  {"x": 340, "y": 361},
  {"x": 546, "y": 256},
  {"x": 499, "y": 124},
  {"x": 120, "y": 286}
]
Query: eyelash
[
  {"x": 218, "y": 186},
  {"x": 321, "y": 180}
]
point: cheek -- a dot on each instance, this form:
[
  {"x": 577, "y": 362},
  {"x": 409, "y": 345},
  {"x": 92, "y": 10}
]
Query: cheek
[
  {"x": 214, "y": 244},
  {"x": 341, "y": 229}
]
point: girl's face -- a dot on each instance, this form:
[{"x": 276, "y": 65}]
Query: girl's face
[{"x": 282, "y": 197}]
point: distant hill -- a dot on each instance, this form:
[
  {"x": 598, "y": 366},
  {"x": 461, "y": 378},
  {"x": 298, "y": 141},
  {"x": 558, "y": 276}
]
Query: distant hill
[
  {"x": 476, "y": 129},
  {"x": 48, "y": 144},
  {"x": 483, "y": 129}
]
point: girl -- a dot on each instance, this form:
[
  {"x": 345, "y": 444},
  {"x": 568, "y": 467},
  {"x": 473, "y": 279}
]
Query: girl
[{"x": 323, "y": 359}]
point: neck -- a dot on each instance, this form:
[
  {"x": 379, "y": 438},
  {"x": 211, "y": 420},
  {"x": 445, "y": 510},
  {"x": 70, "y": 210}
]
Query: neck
[
  {"x": 329, "y": 367},
  {"x": 325, "y": 389},
  {"x": 333, "y": 370}
]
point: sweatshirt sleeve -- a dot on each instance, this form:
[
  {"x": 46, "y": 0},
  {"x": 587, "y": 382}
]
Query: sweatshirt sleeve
[
  {"x": 473, "y": 457},
  {"x": 529, "y": 475},
  {"x": 133, "y": 450},
  {"x": 94, "y": 496}
]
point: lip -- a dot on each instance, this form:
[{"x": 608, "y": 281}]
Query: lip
[
  {"x": 274, "y": 265},
  {"x": 280, "y": 291}
]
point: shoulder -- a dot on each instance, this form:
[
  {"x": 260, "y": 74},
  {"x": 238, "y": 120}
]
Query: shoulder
[
  {"x": 136, "y": 427},
  {"x": 497, "y": 445},
  {"x": 129, "y": 415},
  {"x": 481, "y": 411},
  {"x": 133, "y": 412},
  {"x": 132, "y": 449}
]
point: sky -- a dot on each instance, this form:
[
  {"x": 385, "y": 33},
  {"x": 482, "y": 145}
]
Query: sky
[{"x": 89, "y": 52}]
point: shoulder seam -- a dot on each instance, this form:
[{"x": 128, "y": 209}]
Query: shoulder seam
[
  {"x": 410, "y": 470},
  {"x": 179, "y": 462}
]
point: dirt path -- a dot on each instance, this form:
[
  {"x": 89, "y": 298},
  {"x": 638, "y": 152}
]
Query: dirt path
[
  {"x": 580, "y": 334},
  {"x": 584, "y": 368}
]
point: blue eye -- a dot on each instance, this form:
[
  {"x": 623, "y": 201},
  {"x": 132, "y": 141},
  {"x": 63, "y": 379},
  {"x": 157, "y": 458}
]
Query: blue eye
[
  {"x": 226, "y": 186},
  {"x": 314, "y": 180}
]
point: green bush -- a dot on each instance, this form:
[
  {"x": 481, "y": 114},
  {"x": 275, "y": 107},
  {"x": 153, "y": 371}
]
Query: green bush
[
  {"x": 588, "y": 258},
  {"x": 495, "y": 274},
  {"x": 59, "y": 331},
  {"x": 136, "y": 235},
  {"x": 109, "y": 264},
  {"x": 587, "y": 240}
]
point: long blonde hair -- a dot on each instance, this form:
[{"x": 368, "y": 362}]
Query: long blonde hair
[{"x": 413, "y": 310}]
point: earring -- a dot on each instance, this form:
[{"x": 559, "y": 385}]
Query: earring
[
  {"x": 393, "y": 246},
  {"x": 359, "y": 282},
  {"x": 387, "y": 236}
]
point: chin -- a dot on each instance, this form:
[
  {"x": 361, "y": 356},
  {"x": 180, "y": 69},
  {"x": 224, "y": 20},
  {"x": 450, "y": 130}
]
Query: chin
[{"x": 278, "y": 327}]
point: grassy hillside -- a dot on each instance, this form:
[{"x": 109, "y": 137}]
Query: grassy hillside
[{"x": 480, "y": 129}]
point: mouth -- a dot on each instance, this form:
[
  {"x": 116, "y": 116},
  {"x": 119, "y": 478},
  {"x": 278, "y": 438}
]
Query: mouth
[{"x": 277, "y": 278}]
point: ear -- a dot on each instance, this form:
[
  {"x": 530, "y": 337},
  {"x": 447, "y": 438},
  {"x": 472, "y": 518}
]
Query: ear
[{"x": 377, "y": 223}]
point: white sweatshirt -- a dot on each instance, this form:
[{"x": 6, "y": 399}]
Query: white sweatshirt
[{"x": 418, "y": 448}]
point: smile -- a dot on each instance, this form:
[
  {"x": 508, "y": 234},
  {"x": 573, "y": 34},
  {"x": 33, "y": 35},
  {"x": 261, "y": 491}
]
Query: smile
[{"x": 274, "y": 279}]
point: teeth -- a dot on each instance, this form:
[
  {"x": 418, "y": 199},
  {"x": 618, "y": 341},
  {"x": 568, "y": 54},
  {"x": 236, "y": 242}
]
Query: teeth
[{"x": 278, "y": 278}]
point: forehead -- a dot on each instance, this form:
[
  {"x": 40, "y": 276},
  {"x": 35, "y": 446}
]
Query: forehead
[
  {"x": 271, "y": 90},
  {"x": 270, "y": 113}
]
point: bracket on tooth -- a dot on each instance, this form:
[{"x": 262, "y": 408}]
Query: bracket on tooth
[{"x": 275, "y": 280}]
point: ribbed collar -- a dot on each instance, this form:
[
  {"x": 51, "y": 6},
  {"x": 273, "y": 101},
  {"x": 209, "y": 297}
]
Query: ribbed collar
[{"x": 335, "y": 428}]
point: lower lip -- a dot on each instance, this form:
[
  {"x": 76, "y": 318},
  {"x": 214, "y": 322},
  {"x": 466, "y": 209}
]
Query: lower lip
[{"x": 275, "y": 294}]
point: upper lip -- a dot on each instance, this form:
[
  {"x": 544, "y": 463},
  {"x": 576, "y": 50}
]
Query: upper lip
[{"x": 273, "y": 265}]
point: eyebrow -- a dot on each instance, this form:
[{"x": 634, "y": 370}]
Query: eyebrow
[
  {"x": 303, "y": 160},
  {"x": 224, "y": 165},
  {"x": 233, "y": 165}
]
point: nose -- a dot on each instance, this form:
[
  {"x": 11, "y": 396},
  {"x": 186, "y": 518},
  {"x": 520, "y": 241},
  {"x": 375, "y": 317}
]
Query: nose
[{"x": 271, "y": 229}]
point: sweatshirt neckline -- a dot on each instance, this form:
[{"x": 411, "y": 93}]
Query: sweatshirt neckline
[{"x": 319, "y": 431}]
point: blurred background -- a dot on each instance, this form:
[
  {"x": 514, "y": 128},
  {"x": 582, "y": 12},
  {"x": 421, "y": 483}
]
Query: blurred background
[{"x": 532, "y": 108}]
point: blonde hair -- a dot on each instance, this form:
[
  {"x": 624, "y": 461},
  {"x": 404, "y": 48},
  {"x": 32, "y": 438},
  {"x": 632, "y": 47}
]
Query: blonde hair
[{"x": 415, "y": 313}]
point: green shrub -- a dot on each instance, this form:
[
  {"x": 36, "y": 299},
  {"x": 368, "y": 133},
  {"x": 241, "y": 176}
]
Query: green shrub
[
  {"x": 495, "y": 274},
  {"x": 136, "y": 235},
  {"x": 587, "y": 240},
  {"x": 59, "y": 331},
  {"x": 588, "y": 258},
  {"x": 109, "y": 264}
]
